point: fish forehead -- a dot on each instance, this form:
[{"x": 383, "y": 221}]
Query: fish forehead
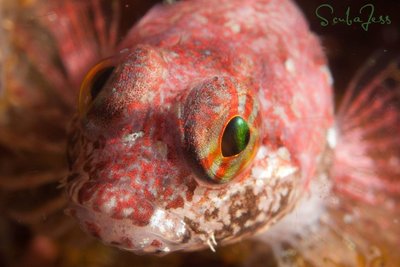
[
  {"x": 145, "y": 165},
  {"x": 248, "y": 40}
]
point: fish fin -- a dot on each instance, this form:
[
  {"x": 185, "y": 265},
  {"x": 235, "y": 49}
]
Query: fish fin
[
  {"x": 83, "y": 31},
  {"x": 48, "y": 47},
  {"x": 367, "y": 155},
  {"x": 93, "y": 31},
  {"x": 366, "y": 159},
  {"x": 58, "y": 41}
]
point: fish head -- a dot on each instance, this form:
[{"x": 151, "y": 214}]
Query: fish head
[{"x": 160, "y": 163}]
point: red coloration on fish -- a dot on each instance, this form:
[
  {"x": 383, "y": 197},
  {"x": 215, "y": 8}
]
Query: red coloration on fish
[
  {"x": 213, "y": 121},
  {"x": 148, "y": 147}
]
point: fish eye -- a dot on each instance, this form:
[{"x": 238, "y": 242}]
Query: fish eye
[
  {"x": 100, "y": 80},
  {"x": 220, "y": 149},
  {"x": 236, "y": 137},
  {"x": 93, "y": 83}
]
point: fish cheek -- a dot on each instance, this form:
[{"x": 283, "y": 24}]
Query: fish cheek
[{"x": 242, "y": 213}]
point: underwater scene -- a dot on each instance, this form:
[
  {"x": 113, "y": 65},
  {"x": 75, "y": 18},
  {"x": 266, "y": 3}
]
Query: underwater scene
[{"x": 233, "y": 133}]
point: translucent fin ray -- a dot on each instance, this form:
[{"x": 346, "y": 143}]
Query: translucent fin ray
[{"x": 367, "y": 156}]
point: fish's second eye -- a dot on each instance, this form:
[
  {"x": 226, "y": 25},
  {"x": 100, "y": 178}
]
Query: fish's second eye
[
  {"x": 236, "y": 137},
  {"x": 100, "y": 80},
  {"x": 94, "y": 82}
]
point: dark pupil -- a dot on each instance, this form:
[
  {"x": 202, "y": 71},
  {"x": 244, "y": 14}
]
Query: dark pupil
[
  {"x": 100, "y": 80},
  {"x": 235, "y": 138}
]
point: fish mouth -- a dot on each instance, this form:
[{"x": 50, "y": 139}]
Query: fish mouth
[{"x": 165, "y": 232}]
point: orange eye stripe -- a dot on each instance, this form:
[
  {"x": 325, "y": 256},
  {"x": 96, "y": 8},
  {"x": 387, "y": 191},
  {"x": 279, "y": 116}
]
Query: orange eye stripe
[
  {"x": 208, "y": 162},
  {"x": 85, "y": 98},
  {"x": 229, "y": 165},
  {"x": 248, "y": 108},
  {"x": 212, "y": 155}
]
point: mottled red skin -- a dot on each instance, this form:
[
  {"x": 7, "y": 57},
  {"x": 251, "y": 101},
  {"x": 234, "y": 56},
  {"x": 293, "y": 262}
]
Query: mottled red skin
[{"x": 129, "y": 162}]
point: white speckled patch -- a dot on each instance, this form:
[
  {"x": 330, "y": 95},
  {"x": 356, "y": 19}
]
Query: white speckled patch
[{"x": 290, "y": 66}]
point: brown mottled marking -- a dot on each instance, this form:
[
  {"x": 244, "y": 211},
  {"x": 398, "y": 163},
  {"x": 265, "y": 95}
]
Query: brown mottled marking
[
  {"x": 211, "y": 215},
  {"x": 194, "y": 226}
]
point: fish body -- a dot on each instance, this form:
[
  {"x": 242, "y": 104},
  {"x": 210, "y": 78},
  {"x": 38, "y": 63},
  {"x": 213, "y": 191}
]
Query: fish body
[
  {"x": 148, "y": 172},
  {"x": 210, "y": 122}
]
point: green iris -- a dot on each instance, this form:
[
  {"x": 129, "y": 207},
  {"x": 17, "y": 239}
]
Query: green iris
[{"x": 236, "y": 137}]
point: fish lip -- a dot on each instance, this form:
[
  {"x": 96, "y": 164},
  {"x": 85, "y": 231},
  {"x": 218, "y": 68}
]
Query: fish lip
[{"x": 153, "y": 238}]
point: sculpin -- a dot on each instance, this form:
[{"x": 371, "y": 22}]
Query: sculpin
[{"x": 213, "y": 121}]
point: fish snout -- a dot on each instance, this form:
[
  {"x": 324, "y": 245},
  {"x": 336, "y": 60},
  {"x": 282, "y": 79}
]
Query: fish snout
[
  {"x": 127, "y": 194},
  {"x": 163, "y": 231}
]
